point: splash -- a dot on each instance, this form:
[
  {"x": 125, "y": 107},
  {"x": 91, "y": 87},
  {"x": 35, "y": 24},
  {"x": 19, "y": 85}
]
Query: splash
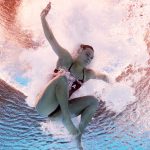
[{"x": 114, "y": 28}]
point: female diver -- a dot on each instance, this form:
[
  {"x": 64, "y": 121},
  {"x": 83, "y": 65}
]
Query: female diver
[{"x": 69, "y": 76}]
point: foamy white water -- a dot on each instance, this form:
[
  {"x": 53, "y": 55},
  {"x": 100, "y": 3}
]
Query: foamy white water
[{"x": 114, "y": 28}]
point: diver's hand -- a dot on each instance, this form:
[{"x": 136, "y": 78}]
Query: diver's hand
[
  {"x": 106, "y": 79},
  {"x": 46, "y": 10}
]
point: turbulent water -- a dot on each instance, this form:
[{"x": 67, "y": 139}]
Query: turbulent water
[{"x": 117, "y": 29}]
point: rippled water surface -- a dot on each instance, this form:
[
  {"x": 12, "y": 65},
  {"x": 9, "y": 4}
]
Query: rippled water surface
[{"x": 21, "y": 127}]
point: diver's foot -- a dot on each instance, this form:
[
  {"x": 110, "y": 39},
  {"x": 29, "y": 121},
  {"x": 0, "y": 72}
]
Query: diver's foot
[
  {"x": 81, "y": 148},
  {"x": 78, "y": 142},
  {"x": 71, "y": 128}
]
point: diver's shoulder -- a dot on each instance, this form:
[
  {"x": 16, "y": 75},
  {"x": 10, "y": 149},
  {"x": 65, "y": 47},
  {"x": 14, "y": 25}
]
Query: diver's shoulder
[
  {"x": 88, "y": 70},
  {"x": 88, "y": 73},
  {"x": 64, "y": 62}
]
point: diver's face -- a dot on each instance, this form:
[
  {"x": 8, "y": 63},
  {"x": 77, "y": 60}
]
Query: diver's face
[{"x": 86, "y": 56}]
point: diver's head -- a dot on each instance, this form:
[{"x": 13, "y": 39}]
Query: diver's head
[{"x": 85, "y": 54}]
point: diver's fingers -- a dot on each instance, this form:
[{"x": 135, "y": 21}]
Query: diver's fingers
[
  {"x": 48, "y": 6},
  {"x": 46, "y": 10}
]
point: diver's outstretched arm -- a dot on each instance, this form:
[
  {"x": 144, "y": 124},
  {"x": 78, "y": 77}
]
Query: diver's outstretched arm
[
  {"x": 61, "y": 52},
  {"x": 102, "y": 76},
  {"x": 91, "y": 74}
]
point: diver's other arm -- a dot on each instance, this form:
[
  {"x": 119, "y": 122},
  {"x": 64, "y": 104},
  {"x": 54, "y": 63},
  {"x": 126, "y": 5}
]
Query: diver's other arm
[
  {"x": 91, "y": 74},
  {"x": 102, "y": 76},
  {"x": 61, "y": 52}
]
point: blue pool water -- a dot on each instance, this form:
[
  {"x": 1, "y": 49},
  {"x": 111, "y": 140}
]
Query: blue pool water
[{"x": 21, "y": 80}]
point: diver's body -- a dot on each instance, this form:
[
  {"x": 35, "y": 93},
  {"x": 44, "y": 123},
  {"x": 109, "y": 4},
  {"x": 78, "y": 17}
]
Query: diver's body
[{"x": 55, "y": 101}]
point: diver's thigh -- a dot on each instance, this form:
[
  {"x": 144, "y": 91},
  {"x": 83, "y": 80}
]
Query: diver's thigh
[
  {"x": 49, "y": 89},
  {"x": 77, "y": 105},
  {"x": 48, "y": 95}
]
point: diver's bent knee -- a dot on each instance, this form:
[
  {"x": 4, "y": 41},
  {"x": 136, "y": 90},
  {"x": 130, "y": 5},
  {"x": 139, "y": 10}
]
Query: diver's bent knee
[
  {"x": 61, "y": 82},
  {"x": 62, "y": 79},
  {"x": 94, "y": 100}
]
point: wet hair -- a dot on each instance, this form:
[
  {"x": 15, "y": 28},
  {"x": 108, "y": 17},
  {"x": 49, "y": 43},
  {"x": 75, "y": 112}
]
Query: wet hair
[
  {"x": 78, "y": 51},
  {"x": 83, "y": 46}
]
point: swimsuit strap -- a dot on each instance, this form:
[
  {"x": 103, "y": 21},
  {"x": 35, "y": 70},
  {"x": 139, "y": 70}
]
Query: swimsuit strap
[
  {"x": 70, "y": 67},
  {"x": 83, "y": 75},
  {"x": 82, "y": 71}
]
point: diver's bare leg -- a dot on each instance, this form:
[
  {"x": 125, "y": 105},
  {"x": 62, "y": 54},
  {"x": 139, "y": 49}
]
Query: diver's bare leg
[
  {"x": 62, "y": 98},
  {"x": 86, "y": 107},
  {"x": 87, "y": 114}
]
